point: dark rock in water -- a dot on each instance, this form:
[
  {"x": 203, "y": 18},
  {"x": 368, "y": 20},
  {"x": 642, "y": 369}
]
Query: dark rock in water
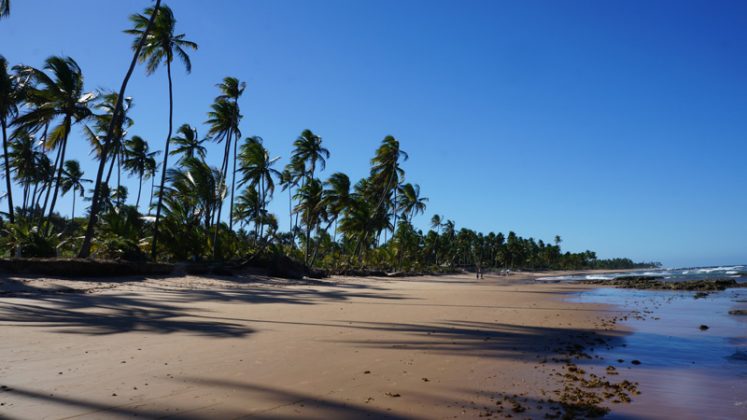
[
  {"x": 635, "y": 362},
  {"x": 703, "y": 327},
  {"x": 657, "y": 283},
  {"x": 738, "y": 312},
  {"x": 739, "y": 356},
  {"x": 700, "y": 295}
]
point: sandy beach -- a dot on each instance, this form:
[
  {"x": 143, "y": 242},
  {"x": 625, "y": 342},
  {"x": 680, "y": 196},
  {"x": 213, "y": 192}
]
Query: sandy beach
[{"x": 195, "y": 347}]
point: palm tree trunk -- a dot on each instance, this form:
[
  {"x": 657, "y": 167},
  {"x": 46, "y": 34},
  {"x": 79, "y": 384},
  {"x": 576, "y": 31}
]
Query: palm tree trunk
[
  {"x": 165, "y": 161},
  {"x": 224, "y": 173},
  {"x": 109, "y": 173},
  {"x": 290, "y": 211},
  {"x": 72, "y": 216},
  {"x": 59, "y": 169},
  {"x": 119, "y": 169},
  {"x": 152, "y": 187},
  {"x": 85, "y": 249},
  {"x": 233, "y": 183},
  {"x": 8, "y": 185},
  {"x": 49, "y": 186},
  {"x": 26, "y": 191},
  {"x": 139, "y": 189}
]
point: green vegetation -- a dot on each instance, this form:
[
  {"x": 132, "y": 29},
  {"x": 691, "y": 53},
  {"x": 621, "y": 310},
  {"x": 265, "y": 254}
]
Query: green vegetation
[{"x": 335, "y": 224}]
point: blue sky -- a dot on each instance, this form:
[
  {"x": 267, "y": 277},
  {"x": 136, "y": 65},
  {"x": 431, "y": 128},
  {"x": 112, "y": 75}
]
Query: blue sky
[{"x": 619, "y": 125}]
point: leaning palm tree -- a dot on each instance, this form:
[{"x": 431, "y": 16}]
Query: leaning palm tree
[
  {"x": 73, "y": 180},
  {"x": 411, "y": 203},
  {"x": 10, "y": 95},
  {"x": 160, "y": 46},
  {"x": 223, "y": 121},
  {"x": 85, "y": 248},
  {"x": 137, "y": 161},
  {"x": 232, "y": 89},
  {"x": 188, "y": 143},
  {"x": 386, "y": 174},
  {"x": 56, "y": 97}
]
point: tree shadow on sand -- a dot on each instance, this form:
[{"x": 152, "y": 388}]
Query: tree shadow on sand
[
  {"x": 484, "y": 339},
  {"x": 162, "y": 310},
  {"x": 320, "y": 407}
]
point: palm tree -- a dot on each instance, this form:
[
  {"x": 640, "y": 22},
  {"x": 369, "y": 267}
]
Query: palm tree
[
  {"x": 411, "y": 203},
  {"x": 336, "y": 197},
  {"x": 10, "y": 94},
  {"x": 196, "y": 186},
  {"x": 436, "y": 222},
  {"x": 73, "y": 180},
  {"x": 4, "y": 8},
  {"x": 223, "y": 120},
  {"x": 59, "y": 96},
  {"x": 188, "y": 143},
  {"x": 138, "y": 160},
  {"x": 23, "y": 161},
  {"x": 247, "y": 206},
  {"x": 308, "y": 149},
  {"x": 386, "y": 175},
  {"x": 232, "y": 90},
  {"x": 256, "y": 170},
  {"x": 310, "y": 207},
  {"x": 151, "y": 168},
  {"x": 161, "y": 45},
  {"x": 108, "y": 103},
  {"x": 291, "y": 177},
  {"x": 85, "y": 248}
]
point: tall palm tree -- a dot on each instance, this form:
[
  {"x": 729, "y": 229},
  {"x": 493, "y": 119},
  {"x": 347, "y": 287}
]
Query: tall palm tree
[
  {"x": 56, "y": 97},
  {"x": 97, "y": 131},
  {"x": 23, "y": 161},
  {"x": 247, "y": 206},
  {"x": 386, "y": 175},
  {"x": 198, "y": 186},
  {"x": 256, "y": 170},
  {"x": 73, "y": 180},
  {"x": 311, "y": 209},
  {"x": 138, "y": 160},
  {"x": 436, "y": 222},
  {"x": 151, "y": 168},
  {"x": 10, "y": 95},
  {"x": 85, "y": 248},
  {"x": 223, "y": 120},
  {"x": 188, "y": 143},
  {"x": 336, "y": 197},
  {"x": 309, "y": 150},
  {"x": 161, "y": 45},
  {"x": 411, "y": 203},
  {"x": 232, "y": 89}
]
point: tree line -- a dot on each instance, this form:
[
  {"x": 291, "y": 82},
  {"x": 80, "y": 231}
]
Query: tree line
[{"x": 335, "y": 223}]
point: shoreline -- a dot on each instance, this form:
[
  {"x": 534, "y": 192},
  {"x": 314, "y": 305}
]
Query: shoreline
[{"x": 385, "y": 347}]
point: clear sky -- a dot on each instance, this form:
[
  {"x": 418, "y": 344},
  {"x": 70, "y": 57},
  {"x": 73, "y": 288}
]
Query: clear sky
[{"x": 619, "y": 125}]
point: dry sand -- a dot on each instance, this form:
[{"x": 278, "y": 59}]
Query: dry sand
[{"x": 195, "y": 347}]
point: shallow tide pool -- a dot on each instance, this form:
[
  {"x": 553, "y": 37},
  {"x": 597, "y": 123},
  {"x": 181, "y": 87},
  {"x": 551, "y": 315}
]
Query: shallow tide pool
[{"x": 685, "y": 371}]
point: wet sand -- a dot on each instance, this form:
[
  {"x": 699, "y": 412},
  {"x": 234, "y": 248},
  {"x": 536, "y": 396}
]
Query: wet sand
[
  {"x": 693, "y": 352},
  {"x": 193, "y": 347}
]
